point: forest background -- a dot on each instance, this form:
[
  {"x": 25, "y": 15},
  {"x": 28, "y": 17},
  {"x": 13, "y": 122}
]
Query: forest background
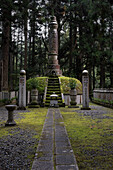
[{"x": 85, "y": 39}]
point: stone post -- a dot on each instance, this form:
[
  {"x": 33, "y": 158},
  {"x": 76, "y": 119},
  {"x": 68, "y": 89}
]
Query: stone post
[
  {"x": 53, "y": 67},
  {"x": 85, "y": 88},
  {"x": 22, "y": 90}
]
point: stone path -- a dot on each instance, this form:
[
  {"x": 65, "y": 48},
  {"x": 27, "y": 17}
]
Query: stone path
[{"x": 54, "y": 151}]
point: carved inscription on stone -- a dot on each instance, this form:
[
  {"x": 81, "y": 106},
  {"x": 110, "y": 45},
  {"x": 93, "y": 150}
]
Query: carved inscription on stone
[{"x": 85, "y": 91}]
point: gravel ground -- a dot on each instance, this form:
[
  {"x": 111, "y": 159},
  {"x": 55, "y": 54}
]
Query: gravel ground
[
  {"x": 16, "y": 148},
  {"x": 96, "y": 112}
]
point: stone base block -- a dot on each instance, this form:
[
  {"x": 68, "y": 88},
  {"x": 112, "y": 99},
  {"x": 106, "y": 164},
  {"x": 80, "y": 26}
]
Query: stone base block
[
  {"x": 85, "y": 108},
  {"x": 33, "y": 106},
  {"x": 13, "y": 123},
  {"x": 73, "y": 106},
  {"x": 21, "y": 108}
]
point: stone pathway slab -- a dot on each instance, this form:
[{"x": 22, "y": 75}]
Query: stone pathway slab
[{"x": 54, "y": 151}]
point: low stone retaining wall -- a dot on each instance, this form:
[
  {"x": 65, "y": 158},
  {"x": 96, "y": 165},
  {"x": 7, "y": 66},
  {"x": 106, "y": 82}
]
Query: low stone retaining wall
[
  {"x": 8, "y": 95},
  {"x": 104, "y": 94}
]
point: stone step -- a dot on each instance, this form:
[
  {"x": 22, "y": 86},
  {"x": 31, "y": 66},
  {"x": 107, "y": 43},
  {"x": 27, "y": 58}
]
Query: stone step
[
  {"x": 48, "y": 101},
  {"x": 48, "y": 104},
  {"x": 51, "y": 92},
  {"x": 51, "y": 84},
  {"x": 53, "y": 80},
  {"x": 53, "y": 87},
  {"x": 49, "y": 98}
]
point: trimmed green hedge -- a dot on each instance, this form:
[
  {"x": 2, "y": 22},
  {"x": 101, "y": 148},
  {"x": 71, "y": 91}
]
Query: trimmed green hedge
[
  {"x": 39, "y": 83},
  {"x": 66, "y": 84}
]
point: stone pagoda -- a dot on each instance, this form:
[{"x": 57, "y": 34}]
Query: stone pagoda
[{"x": 53, "y": 66}]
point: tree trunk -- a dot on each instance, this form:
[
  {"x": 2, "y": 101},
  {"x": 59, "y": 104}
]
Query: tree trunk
[
  {"x": 93, "y": 77},
  {"x": 111, "y": 75},
  {"x": 25, "y": 35},
  {"x": 5, "y": 47},
  {"x": 102, "y": 74}
]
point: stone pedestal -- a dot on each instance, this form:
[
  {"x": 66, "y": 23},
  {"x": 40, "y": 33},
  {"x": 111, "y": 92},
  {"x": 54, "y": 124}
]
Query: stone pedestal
[
  {"x": 67, "y": 99},
  {"x": 53, "y": 66},
  {"x": 34, "y": 99},
  {"x": 10, "y": 121},
  {"x": 22, "y": 90},
  {"x": 85, "y": 86},
  {"x": 73, "y": 94},
  {"x": 34, "y": 95}
]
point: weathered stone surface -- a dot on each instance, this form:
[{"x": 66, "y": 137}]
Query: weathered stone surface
[
  {"x": 22, "y": 90},
  {"x": 53, "y": 66},
  {"x": 54, "y": 146},
  {"x": 85, "y": 85},
  {"x": 65, "y": 159},
  {"x": 64, "y": 150},
  {"x": 42, "y": 165},
  {"x": 66, "y": 167}
]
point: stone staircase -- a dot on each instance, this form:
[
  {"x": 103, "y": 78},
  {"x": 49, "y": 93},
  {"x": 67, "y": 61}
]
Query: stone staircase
[{"x": 53, "y": 86}]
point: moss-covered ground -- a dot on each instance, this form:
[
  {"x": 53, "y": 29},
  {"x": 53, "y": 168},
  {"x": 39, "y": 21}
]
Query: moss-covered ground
[
  {"x": 31, "y": 120},
  {"x": 29, "y": 125},
  {"x": 91, "y": 137},
  {"x": 90, "y": 133}
]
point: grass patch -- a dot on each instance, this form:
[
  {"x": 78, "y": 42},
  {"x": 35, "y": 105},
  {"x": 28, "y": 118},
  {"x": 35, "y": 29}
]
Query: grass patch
[{"x": 91, "y": 139}]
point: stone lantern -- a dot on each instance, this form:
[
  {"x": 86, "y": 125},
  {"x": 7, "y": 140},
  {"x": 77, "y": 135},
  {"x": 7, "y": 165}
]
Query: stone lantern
[{"x": 54, "y": 100}]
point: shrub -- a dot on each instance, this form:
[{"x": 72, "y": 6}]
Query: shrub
[
  {"x": 38, "y": 83},
  {"x": 72, "y": 83},
  {"x": 67, "y": 83}
]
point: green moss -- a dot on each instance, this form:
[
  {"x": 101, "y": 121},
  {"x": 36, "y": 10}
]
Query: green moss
[
  {"x": 33, "y": 106},
  {"x": 4, "y": 131},
  {"x": 32, "y": 120},
  {"x": 90, "y": 139}
]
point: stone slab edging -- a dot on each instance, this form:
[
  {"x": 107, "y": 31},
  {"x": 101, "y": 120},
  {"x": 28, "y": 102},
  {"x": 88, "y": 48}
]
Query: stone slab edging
[{"x": 54, "y": 151}]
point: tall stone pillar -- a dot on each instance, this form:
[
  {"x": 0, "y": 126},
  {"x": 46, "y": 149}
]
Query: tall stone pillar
[
  {"x": 22, "y": 90},
  {"x": 53, "y": 66},
  {"x": 85, "y": 88}
]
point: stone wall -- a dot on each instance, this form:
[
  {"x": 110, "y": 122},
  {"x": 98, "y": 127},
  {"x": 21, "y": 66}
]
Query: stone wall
[
  {"x": 104, "y": 94},
  {"x": 8, "y": 95}
]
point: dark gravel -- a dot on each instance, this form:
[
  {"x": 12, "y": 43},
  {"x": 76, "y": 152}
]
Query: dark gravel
[
  {"x": 96, "y": 112},
  {"x": 18, "y": 148}
]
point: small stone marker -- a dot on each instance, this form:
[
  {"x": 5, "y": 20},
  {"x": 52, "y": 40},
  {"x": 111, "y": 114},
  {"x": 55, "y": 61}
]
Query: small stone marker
[
  {"x": 22, "y": 90},
  {"x": 85, "y": 88}
]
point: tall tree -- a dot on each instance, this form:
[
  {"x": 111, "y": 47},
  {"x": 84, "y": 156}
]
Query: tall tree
[{"x": 6, "y": 16}]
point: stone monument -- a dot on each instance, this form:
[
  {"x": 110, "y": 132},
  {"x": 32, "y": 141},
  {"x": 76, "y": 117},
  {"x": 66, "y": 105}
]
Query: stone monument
[
  {"x": 53, "y": 66},
  {"x": 85, "y": 88},
  {"x": 22, "y": 90}
]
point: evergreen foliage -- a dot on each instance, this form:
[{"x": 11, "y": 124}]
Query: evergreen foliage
[{"x": 85, "y": 36}]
